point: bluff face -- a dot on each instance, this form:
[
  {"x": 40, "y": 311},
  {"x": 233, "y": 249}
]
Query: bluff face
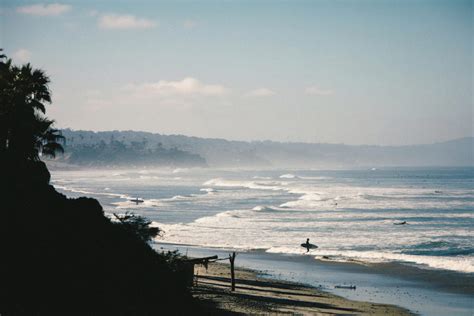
[{"x": 65, "y": 255}]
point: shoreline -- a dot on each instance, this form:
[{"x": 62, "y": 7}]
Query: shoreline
[
  {"x": 448, "y": 280},
  {"x": 421, "y": 291},
  {"x": 255, "y": 294}
]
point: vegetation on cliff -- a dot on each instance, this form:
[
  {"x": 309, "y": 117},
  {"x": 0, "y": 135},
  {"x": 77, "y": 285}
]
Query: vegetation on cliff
[{"x": 113, "y": 153}]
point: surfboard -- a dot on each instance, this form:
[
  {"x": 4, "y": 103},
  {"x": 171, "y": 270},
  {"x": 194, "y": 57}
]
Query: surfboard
[
  {"x": 349, "y": 287},
  {"x": 310, "y": 246},
  {"x": 400, "y": 223}
]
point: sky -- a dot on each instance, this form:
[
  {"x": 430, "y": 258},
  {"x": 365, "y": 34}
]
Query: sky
[{"x": 356, "y": 72}]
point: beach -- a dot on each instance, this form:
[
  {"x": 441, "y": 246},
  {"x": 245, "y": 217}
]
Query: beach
[
  {"x": 420, "y": 291},
  {"x": 258, "y": 295}
]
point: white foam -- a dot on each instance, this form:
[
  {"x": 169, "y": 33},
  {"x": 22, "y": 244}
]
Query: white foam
[
  {"x": 180, "y": 170},
  {"x": 262, "y": 208},
  {"x": 257, "y": 185},
  {"x": 82, "y": 191},
  {"x": 459, "y": 263},
  {"x": 314, "y": 197},
  {"x": 264, "y": 227},
  {"x": 177, "y": 197},
  {"x": 60, "y": 181},
  {"x": 362, "y": 219},
  {"x": 208, "y": 190},
  {"x": 288, "y": 176},
  {"x": 315, "y": 178}
]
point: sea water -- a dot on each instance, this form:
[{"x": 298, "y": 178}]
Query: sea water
[{"x": 351, "y": 215}]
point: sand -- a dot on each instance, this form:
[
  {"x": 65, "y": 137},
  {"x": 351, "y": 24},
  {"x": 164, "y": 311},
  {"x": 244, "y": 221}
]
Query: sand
[{"x": 258, "y": 295}]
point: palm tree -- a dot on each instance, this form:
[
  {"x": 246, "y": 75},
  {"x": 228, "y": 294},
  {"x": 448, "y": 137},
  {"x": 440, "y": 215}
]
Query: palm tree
[{"x": 25, "y": 132}]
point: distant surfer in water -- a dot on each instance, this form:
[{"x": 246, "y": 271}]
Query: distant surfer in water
[{"x": 400, "y": 223}]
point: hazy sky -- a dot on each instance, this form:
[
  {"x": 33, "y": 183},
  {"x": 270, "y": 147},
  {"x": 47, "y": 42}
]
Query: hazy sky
[{"x": 355, "y": 72}]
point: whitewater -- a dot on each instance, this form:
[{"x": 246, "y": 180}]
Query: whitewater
[{"x": 349, "y": 214}]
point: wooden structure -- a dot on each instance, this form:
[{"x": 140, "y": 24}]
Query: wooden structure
[
  {"x": 232, "y": 274},
  {"x": 188, "y": 268}
]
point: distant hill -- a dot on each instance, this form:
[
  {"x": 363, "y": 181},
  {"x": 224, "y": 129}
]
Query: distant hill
[
  {"x": 142, "y": 148},
  {"x": 112, "y": 149}
]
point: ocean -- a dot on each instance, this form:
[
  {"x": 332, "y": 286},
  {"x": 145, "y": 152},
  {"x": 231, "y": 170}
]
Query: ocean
[
  {"x": 425, "y": 265},
  {"x": 351, "y": 215}
]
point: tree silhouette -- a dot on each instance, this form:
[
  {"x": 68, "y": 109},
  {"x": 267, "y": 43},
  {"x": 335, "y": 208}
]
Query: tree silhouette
[
  {"x": 25, "y": 132},
  {"x": 81, "y": 262},
  {"x": 138, "y": 225}
]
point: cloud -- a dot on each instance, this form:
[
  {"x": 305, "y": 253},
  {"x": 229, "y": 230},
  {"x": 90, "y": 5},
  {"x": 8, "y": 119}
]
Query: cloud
[
  {"x": 22, "y": 55},
  {"x": 123, "y": 22},
  {"x": 260, "y": 92},
  {"x": 314, "y": 90},
  {"x": 52, "y": 9},
  {"x": 186, "y": 87}
]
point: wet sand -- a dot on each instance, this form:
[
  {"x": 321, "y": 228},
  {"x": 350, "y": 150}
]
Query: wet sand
[
  {"x": 257, "y": 295},
  {"x": 424, "y": 292}
]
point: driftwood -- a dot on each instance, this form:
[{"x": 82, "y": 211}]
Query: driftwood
[{"x": 349, "y": 287}]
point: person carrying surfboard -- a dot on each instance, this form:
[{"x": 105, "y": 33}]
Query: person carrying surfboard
[{"x": 307, "y": 244}]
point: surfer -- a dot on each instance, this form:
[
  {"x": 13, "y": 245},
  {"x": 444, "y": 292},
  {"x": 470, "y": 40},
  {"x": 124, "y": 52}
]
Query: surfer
[
  {"x": 136, "y": 200},
  {"x": 307, "y": 245},
  {"x": 400, "y": 223}
]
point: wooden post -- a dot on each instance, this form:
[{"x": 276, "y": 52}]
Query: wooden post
[{"x": 232, "y": 273}]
